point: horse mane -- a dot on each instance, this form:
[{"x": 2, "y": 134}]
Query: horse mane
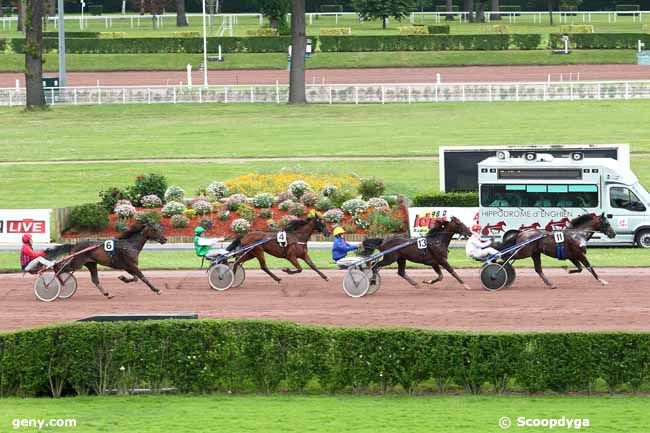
[
  {"x": 295, "y": 225},
  {"x": 437, "y": 228},
  {"x": 134, "y": 229},
  {"x": 577, "y": 221}
]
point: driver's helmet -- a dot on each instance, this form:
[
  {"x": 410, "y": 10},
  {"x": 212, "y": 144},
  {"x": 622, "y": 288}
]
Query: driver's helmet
[
  {"x": 476, "y": 228},
  {"x": 198, "y": 230},
  {"x": 27, "y": 238},
  {"x": 338, "y": 231}
]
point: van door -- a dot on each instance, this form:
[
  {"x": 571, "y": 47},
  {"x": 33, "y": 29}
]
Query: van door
[{"x": 626, "y": 210}]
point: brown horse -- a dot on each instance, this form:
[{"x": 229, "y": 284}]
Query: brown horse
[
  {"x": 576, "y": 235},
  {"x": 298, "y": 233},
  {"x": 433, "y": 252},
  {"x": 120, "y": 253}
]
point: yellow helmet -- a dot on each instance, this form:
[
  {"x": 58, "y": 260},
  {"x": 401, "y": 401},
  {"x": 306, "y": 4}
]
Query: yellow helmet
[{"x": 338, "y": 231}]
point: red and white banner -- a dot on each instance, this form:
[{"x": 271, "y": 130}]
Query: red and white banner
[
  {"x": 14, "y": 223},
  {"x": 422, "y": 218}
]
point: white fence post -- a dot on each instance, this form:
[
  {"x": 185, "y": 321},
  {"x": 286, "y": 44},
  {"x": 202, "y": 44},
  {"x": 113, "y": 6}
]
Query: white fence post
[
  {"x": 174, "y": 94},
  {"x": 517, "y": 92},
  {"x": 252, "y": 96},
  {"x": 123, "y": 96},
  {"x": 99, "y": 95},
  {"x": 409, "y": 94},
  {"x": 356, "y": 95},
  {"x": 148, "y": 95},
  {"x": 10, "y": 100},
  {"x": 74, "y": 95},
  {"x": 331, "y": 90},
  {"x": 463, "y": 87},
  {"x": 382, "y": 95},
  {"x": 277, "y": 92},
  {"x": 225, "y": 96},
  {"x": 627, "y": 90},
  {"x": 200, "y": 95}
]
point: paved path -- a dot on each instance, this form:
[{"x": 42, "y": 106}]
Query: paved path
[{"x": 345, "y": 76}]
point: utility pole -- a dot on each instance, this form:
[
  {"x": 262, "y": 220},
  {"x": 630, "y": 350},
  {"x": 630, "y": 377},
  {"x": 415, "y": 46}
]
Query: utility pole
[{"x": 62, "y": 74}]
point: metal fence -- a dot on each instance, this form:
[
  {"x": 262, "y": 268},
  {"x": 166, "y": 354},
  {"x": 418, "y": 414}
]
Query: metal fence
[{"x": 342, "y": 93}]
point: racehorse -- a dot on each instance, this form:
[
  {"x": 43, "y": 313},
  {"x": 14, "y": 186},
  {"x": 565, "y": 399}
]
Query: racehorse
[
  {"x": 434, "y": 254},
  {"x": 122, "y": 253},
  {"x": 576, "y": 235},
  {"x": 298, "y": 234}
]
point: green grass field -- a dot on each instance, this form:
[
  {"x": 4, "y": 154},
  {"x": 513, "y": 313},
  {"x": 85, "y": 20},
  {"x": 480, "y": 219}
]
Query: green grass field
[
  {"x": 599, "y": 257},
  {"x": 179, "y": 61},
  {"x": 336, "y": 414},
  {"x": 522, "y": 24}
]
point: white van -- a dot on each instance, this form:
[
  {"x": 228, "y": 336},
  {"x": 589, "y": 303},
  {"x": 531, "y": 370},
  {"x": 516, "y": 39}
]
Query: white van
[{"x": 540, "y": 191}]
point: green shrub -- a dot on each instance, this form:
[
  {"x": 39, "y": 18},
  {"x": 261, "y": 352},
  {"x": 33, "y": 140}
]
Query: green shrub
[
  {"x": 438, "y": 29},
  {"x": 342, "y": 195},
  {"x": 89, "y": 216},
  {"x": 187, "y": 34},
  {"x": 451, "y": 199},
  {"x": 109, "y": 198},
  {"x": 266, "y": 214},
  {"x": 263, "y": 200},
  {"x": 324, "y": 204},
  {"x": 265, "y": 31},
  {"x": 383, "y": 222},
  {"x": 75, "y": 35},
  {"x": 255, "y": 44},
  {"x": 371, "y": 187},
  {"x": 147, "y": 217},
  {"x": 577, "y": 28},
  {"x": 331, "y": 8},
  {"x": 246, "y": 212},
  {"x": 180, "y": 221},
  {"x": 335, "y": 31},
  {"x": 413, "y": 30},
  {"x": 152, "y": 183},
  {"x": 526, "y": 41},
  {"x": 413, "y": 43},
  {"x": 121, "y": 226},
  {"x": 600, "y": 40}
]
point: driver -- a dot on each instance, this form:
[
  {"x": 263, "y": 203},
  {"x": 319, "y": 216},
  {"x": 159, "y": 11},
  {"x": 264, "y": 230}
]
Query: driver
[
  {"x": 476, "y": 248},
  {"x": 340, "y": 249},
  {"x": 31, "y": 260},
  {"x": 205, "y": 246}
]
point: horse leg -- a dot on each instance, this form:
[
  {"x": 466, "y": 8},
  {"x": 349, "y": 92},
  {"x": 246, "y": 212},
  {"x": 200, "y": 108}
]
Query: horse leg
[
  {"x": 537, "y": 260},
  {"x": 436, "y": 268},
  {"x": 401, "y": 271},
  {"x": 578, "y": 266},
  {"x": 292, "y": 259},
  {"x": 311, "y": 264},
  {"x": 453, "y": 273},
  {"x": 94, "y": 277},
  {"x": 137, "y": 273},
  {"x": 259, "y": 255},
  {"x": 585, "y": 262},
  {"x": 126, "y": 280}
]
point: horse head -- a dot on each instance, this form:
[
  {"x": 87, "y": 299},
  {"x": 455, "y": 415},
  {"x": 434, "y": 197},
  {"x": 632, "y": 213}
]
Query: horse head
[
  {"x": 605, "y": 227},
  {"x": 154, "y": 232},
  {"x": 456, "y": 226},
  {"x": 318, "y": 224}
]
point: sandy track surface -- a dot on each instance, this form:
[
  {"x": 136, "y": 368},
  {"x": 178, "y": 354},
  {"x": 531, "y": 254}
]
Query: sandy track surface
[
  {"x": 580, "y": 303},
  {"x": 349, "y": 76}
]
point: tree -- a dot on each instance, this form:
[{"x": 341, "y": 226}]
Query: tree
[
  {"x": 383, "y": 9},
  {"x": 495, "y": 8},
  {"x": 480, "y": 14},
  {"x": 34, "y": 54},
  {"x": 181, "y": 19},
  {"x": 449, "y": 8},
  {"x": 275, "y": 10},
  {"x": 468, "y": 6},
  {"x": 20, "y": 8},
  {"x": 298, "y": 43},
  {"x": 154, "y": 7}
]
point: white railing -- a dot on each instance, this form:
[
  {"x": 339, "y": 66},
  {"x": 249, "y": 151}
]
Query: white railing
[{"x": 342, "y": 93}]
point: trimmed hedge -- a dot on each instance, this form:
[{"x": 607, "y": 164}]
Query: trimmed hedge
[
  {"x": 449, "y": 199},
  {"x": 253, "y": 356},
  {"x": 438, "y": 29},
  {"x": 434, "y": 42},
  {"x": 164, "y": 45},
  {"x": 72, "y": 35},
  {"x": 600, "y": 40}
]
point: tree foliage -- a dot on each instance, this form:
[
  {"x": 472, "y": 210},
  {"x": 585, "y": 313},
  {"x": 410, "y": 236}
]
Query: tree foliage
[
  {"x": 383, "y": 9},
  {"x": 275, "y": 10}
]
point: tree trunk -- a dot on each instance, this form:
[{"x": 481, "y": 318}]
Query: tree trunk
[
  {"x": 550, "y": 10},
  {"x": 181, "y": 19},
  {"x": 449, "y": 8},
  {"x": 480, "y": 15},
  {"x": 142, "y": 7},
  {"x": 274, "y": 22},
  {"x": 468, "y": 6},
  {"x": 383, "y": 22},
  {"x": 20, "y": 4},
  {"x": 298, "y": 42},
  {"x": 495, "y": 8},
  {"x": 34, "y": 54}
]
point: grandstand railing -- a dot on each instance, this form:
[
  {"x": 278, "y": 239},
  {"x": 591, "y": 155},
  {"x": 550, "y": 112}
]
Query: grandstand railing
[{"x": 341, "y": 93}]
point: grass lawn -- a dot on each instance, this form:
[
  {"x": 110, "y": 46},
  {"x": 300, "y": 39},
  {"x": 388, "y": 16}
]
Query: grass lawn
[
  {"x": 215, "y": 130},
  {"x": 278, "y": 413},
  {"x": 178, "y": 61},
  {"x": 599, "y": 257}
]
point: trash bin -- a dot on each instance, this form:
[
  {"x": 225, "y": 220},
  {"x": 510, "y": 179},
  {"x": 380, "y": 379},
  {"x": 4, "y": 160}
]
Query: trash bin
[
  {"x": 643, "y": 58},
  {"x": 51, "y": 89}
]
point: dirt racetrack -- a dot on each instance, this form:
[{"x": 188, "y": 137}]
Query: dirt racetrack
[{"x": 579, "y": 303}]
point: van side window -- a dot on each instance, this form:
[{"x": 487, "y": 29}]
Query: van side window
[
  {"x": 623, "y": 198},
  {"x": 539, "y": 195}
]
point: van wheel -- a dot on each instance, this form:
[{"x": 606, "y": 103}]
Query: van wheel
[{"x": 643, "y": 239}]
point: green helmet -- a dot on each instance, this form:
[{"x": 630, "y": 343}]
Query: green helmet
[{"x": 199, "y": 230}]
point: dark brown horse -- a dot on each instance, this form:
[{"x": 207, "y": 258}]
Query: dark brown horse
[
  {"x": 119, "y": 253},
  {"x": 576, "y": 235},
  {"x": 298, "y": 233},
  {"x": 433, "y": 253}
]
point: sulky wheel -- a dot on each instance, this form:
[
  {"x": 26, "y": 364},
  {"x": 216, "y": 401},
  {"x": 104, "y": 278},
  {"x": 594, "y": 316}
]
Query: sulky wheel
[
  {"x": 220, "y": 277},
  {"x": 68, "y": 285},
  {"x": 510, "y": 271},
  {"x": 356, "y": 283},
  {"x": 47, "y": 287},
  {"x": 240, "y": 276},
  {"x": 374, "y": 285},
  {"x": 493, "y": 277}
]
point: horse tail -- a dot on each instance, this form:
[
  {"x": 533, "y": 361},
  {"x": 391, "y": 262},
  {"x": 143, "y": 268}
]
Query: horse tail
[
  {"x": 370, "y": 245},
  {"x": 234, "y": 244},
  {"x": 58, "y": 251}
]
